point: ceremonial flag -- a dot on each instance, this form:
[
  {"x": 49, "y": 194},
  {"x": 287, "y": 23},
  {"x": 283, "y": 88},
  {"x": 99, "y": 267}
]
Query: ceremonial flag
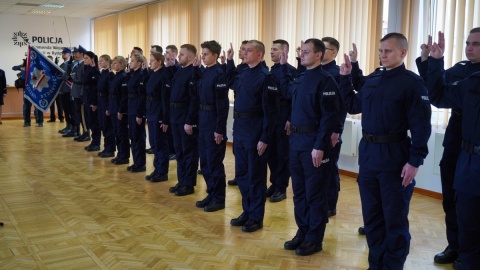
[{"x": 43, "y": 79}]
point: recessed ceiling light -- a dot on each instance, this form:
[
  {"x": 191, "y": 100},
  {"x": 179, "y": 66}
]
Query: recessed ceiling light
[
  {"x": 52, "y": 6},
  {"x": 38, "y": 11}
]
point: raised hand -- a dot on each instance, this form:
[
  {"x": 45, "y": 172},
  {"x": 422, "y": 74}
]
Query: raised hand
[
  {"x": 283, "y": 58},
  {"x": 197, "y": 61},
  {"x": 223, "y": 58},
  {"x": 346, "y": 68},
  {"x": 353, "y": 53},
  {"x": 425, "y": 49},
  {"x": 438, "y": 49},
  {"x": 230, "y": 52},
  {"x": 299, "y": 49}
]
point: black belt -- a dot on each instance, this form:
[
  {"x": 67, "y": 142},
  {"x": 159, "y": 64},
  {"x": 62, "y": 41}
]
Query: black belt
[
  {"x": 204, "y": 107},
  {"x": 102, "y": 94},
  {"x": 178, "y": 105},
  {"x": 256, "y": 114},
  {"x": 285, "y": 103},
  {"x": 392, "y": 138},
  {"x": 132, "y": 95},
  {"x": 113, "y": 96},
  {"x": 470, "y": 148},
  {"x": 303, "y": 129},
  {"x": 153, "y": 98}
]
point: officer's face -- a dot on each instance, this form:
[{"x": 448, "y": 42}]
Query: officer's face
[
  {"x": 391, "y": 54},
  {"x": 87, "y": 61},
  {"x": 330, "y": 53},
  {"x": 154, "y": 63},
  {"x": 208, "y": 58},
  {"x": 252, "y": 55},
  {"x": 472, "y": 47},
  {"x": 102, "y": 63},
  {"x": 135, "y": 64},
  {"x": 275, "y": 52},
  {"x": 65, "y": 56},
  {"x": 241, "y": 52},
  {"x": 308, "y": 57},
  {"x": 184, "y": 57},
  {"x": 117, "y": 66}
]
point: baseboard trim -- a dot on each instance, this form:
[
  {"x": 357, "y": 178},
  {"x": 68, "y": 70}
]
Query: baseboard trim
[{"x": 417, "y": 190}]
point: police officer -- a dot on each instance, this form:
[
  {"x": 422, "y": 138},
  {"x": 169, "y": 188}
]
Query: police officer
[
  {"x": 212, "y": 91},
  {"x": 184, "y": 119},
  {"x": 117, "y": 109},
  {"x": 463, "y": 95},
  {"x": 136, "y": 113},
  {"x": 314, "y": 96},
  {"x": 65, "y": 89},
  {"x": 278, "y": 150},
  {"x": 104, "y": 121},
  {"x": 453, "y": 138},
  {"x": 90, "y": 99},
  {"x": 391, "y": 103},
  {"x": 255, "y": 110},
  {"x": 158, "y": 115},
  {"x": 3, "y": 91}
]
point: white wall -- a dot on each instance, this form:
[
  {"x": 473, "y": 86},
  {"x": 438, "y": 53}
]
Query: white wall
[{"x": 48, "y": 32}]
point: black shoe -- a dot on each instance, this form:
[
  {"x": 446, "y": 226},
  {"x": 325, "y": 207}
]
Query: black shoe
[
  {"x": 214, "y": 206},
  {"x": 174, "y": 188},
  {"x": 149, "y": 177},
  {"x": 84, "y": 139},
  {"x": 293, "y": 244},
  {"x": 184, "y": 191},
  {"x": 39, "y": 124},
  {"x": 308, "y": 248},
  {"x": 278, "y": 196},
  {"x": 26, "y": 124},
  {"x": 449, "y": 255},
  {"x": 199, "y": 172},
  {"x": 158, "y": 178},
  {"x": 62, "y": 131},
  {"x": 61, "y": 121},
  {"x": 361, "y": 230},
  {"x": 79, "y": 137},
  {"x": 70, "y": 133},
  {"x": 332, "y": 213},
  {"x": 51, "y": 121},
  {"x": 251, "y": 226},
  {"x": 120, "y": 161},
  {"x": 137, "y": 168},
  {"x": 240, "y": 220},
  {"x": 149, "y": 151},
  {"x": 172, "y": 157},
  {"x": 93, "y": 148},
  {"x": 270, "y": 191},
  {"x": 204, "y": 202},
  {"x": 105, "y": 154},
  {"x": 232, "y": 182},
  {"x": 457, "y": 264}
]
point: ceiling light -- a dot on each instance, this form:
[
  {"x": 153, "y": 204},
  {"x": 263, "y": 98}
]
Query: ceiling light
[
  {"x": 38, "y": 11},
  {"x": 52, "y": 6}
]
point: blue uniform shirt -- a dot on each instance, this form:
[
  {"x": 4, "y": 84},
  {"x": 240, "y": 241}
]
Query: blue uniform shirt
[
  {"x": 391, "y": 103},
  {"x": 118, "y": 93},
  {"x": 136, "y": 93},
  {"x": 158, "y": 96},
  {"x": 314, "y": 96},
  {"x": 285, "y": 108},
  {"x": 212, "y": 92},
  {"x": 183, "y": 99},
  {"x": 465, "y": 95},
  {"x": 255, "y": 92},
  {"x": 90, "y": 78}
]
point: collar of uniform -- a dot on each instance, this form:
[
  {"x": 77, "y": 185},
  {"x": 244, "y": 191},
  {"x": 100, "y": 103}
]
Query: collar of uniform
[
  {"x": 330, "y": 64},
  {"x": 394, "y": 71},
  {"x": 313, "y": 69}
]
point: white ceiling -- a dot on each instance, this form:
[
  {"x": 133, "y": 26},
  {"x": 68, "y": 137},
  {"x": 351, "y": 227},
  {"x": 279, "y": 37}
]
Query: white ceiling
[{"x": 72, "y": 8}]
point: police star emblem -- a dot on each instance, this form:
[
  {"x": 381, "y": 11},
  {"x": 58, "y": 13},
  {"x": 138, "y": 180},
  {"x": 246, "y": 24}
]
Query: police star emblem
[
  {"x": 20, "y": 38},
  {"x": 39, "y": 79}
]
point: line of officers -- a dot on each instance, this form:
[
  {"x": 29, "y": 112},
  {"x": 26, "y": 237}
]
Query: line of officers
[{"x": 287, "y": 119}]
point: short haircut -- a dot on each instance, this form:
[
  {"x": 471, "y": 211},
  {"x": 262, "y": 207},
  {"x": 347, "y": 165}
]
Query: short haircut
[
  {"x": 212, "y": 46},
  {"x": 138, "y": 49},
  {"x": 258, "y": 45},
  {"x": 475, "y": 30},
  {"x": 400, "y": 39},
  {"x": 159, "y": 57},
  {"x": 318, "y": 45},
  {"x": 282, "y": 42},
  {"x": 332, "y": 41},
  {"x": 172, "y": 48},
  {"x": 244, "y": 42},
  {"x": 107, "y": 58},
  {"x": 157, "y": 48},
  {"x": 191, "y": 48},
  {"x": 120, "y": 59},
  {"x": 138, "y": 57}
]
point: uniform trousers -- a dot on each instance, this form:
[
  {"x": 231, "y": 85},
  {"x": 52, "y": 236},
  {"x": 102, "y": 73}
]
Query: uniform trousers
[
  {"x": 278, "y": 157},
  {"x": 186, "y": 150},
  {"x": 137, "y": 135},
  {"x": 161, "y": 149},
  {"x": 105, "y": 125}
]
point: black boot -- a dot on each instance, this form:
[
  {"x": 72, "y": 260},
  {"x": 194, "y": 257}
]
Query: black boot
[
  {"x": 66, "y": 129},
  {"x": 72, "y": 133}
]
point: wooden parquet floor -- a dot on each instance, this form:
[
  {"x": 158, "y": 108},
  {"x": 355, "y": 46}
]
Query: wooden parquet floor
[{"x": 65, "y": 208}]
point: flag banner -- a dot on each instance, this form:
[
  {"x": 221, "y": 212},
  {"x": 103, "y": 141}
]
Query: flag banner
[{"x": 43, "y": 79}]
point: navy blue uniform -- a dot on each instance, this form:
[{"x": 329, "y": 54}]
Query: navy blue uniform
[
  {"x": 391, "y": 103},
  {"x": 105, "y": 122},
  {"x": 212, "y": 91},
  {"x": 464, "y": 96},
  {"x": 3, "y": 86},
  {"x": 136, "y": 109},
  {"x": 255, "y": 110},
  {"x": 76, "y": 94},
  {"x": 278, "y": 151},
  {"x": 184, "y": 110},
  {"x": 314, "y": 96},
  {"x": 158, "y": 113},
  {"x": 118, "y": 103},
  {"x": 451, "y": 146},
  {"x": 90, "y": 97}
]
